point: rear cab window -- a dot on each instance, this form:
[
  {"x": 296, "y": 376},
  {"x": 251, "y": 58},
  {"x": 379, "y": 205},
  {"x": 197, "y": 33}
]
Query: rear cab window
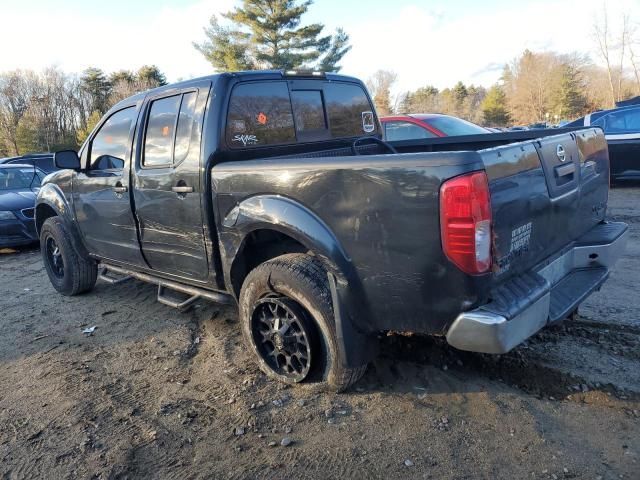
[{"x": 280, "y": 113}]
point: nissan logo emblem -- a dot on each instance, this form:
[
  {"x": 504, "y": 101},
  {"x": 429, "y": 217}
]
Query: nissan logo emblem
[{"x": 560, "y": 153}]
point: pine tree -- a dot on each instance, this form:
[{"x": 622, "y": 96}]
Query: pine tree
[
  {"x": 460, "y": 94},
  {"x": 96, "y": 85},
  {"x": 267, "y": 34},
  {"x": 151, "y": 75},
  {"x": 121, "y": 76},
  {"x": 494, "y": 107},
  {"x": 569, "y": 102}
]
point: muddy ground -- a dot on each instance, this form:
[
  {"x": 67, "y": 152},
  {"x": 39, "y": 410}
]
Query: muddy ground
[{"x": 158, "y": 394}]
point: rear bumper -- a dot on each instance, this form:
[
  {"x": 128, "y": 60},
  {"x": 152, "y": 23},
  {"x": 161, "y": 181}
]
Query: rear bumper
[{"x": 523, "y": 305}]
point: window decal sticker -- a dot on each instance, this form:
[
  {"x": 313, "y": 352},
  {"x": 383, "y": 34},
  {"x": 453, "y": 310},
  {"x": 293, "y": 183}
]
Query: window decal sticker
[
  {"x": 368, "y": 124},
  {"x": 262, "y": 118},
  {"x": 245, "y": 139}
]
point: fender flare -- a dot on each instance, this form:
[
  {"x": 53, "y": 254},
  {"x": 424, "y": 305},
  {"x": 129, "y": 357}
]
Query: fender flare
[
  {"x": 51, "y": 195},
  {"x": 357, "y": 344}
]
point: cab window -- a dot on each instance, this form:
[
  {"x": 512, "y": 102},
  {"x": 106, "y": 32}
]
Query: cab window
[
  {"x": 170, "y": 130},
  {"x": 268, "y": 113},
  {"x": 260, "y": 115},
  {"x": 350, "y": 113},
  {"x": 308, "y": 114},
  {"x": 160, "y": 133},
  {"x": 186, "y": 133},
  {"x": 109, "y": 146}
]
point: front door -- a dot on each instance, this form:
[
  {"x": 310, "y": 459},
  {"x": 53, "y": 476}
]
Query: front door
[
  {"x": 168, "y": 191},
  {"x": 102, "y": 192}
]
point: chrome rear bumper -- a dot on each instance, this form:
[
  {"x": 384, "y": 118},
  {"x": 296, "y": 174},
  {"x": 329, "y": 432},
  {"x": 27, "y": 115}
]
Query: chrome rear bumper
[{"x": 554, "y": 289}]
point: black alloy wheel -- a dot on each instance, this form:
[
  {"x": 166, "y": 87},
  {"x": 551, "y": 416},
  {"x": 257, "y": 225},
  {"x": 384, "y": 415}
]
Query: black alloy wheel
[
  {"x": 280, "y": 332},
  {"x": 54, "y": 256}
]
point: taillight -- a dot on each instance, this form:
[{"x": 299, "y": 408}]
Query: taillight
[{"x": 465, "y": 222}]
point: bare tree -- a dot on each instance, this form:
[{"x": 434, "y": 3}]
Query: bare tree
[
  {"x": 15, "y": 97},
  {"x": 623, "y": 43},
  {"x": 379, "y": 85},
  {"x": 603, "y": 41},
  {"x": 631, "y": 42}
]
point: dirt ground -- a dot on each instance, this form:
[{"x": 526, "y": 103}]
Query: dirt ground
[{"x": 155, "y": 393}]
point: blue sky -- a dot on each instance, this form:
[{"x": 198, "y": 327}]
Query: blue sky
[{"x": 426, "y": 42}]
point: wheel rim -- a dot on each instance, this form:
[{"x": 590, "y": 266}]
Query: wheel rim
[
  {"x": 54, "y": 256},
  {"x": 282, "y": 337}
]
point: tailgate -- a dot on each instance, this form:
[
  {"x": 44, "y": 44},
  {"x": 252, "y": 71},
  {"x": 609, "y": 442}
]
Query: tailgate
[{"x": 545, "y": 194}]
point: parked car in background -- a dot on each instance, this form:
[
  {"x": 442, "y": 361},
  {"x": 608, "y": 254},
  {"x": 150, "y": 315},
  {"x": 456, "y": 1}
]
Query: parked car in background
[
  {"x": 19, "y": 185},
  {"x": 622, "y": 130},
  {"x": 538, "y": 125},
  {"x": 44, "y": 161},
  {"x": 427, "y": 125}
]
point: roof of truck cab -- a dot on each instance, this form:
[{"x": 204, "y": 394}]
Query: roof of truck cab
[{"x": 244, "y": 75}]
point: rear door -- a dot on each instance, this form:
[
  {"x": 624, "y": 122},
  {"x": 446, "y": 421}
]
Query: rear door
[
  {"x": 545, "y": 194},
  {"x": 168, "y": 191}
]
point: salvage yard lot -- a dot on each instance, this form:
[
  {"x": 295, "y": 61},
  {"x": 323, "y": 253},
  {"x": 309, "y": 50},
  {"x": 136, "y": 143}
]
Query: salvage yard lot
[{"x": 157, "y": 393}]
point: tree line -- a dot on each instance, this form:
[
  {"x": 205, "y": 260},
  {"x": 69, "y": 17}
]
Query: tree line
[
  {"x": 536, "y": 86},
  {"x": 53, "y": 110}
]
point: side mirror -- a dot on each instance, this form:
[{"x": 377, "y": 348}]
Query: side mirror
[{"x": 67, "y": 159}]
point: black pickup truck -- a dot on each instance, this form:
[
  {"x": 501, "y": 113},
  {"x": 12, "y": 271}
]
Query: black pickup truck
[{"x": 275, "y": 192}]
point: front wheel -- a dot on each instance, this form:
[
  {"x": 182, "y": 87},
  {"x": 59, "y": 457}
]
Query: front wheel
[
  {"x": 69, "y": 273},
  {"x": 287, "y": 321}
]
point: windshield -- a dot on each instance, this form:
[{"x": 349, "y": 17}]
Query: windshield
[
  {"x": 451, "y": 126},
  {"x": 20, "y": 178}
]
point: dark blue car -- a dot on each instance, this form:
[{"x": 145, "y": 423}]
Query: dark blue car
[
  {"x": 43, "y": 161},
  {"x": 622, "y": 130},
  {"x": 19, "y": 185}
]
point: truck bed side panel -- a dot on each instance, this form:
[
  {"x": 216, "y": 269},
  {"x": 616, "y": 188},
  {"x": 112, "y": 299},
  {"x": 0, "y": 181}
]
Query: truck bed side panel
[{"x": 384, "y": 210}]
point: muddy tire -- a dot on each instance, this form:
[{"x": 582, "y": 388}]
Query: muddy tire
[
  {"x": 69, "y": 273},
  {"x": 287, "y": 322}
]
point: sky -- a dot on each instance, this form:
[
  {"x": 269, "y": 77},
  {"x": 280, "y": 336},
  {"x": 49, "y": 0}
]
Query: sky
[{"x": 435, "y": 42}]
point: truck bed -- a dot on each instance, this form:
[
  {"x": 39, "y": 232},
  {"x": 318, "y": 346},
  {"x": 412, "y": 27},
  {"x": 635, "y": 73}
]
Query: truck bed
[{"x": 384, "y": 213}]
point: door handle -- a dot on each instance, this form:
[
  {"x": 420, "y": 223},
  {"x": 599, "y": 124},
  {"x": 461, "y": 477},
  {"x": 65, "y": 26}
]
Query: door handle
[
  {"x": 182, "y": 189},
  {"x": 119, "y": 189},
  {"x": 564, "y": 170}
]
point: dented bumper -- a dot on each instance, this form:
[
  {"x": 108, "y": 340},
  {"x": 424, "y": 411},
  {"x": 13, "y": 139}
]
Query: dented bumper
[{"x": 525, "y": 304}]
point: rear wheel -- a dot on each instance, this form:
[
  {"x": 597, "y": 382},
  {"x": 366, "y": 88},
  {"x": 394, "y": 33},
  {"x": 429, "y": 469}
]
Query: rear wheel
[
  {"x": 287, "y": 321},
  {"x": 69, "y": 273}
]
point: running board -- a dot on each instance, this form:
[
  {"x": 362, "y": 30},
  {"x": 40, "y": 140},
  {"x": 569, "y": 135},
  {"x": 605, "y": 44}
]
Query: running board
[
  {"x": 104, "y": 276},
  {"x": 194, "y": 293},
  {"x": 183, "y": 305}
]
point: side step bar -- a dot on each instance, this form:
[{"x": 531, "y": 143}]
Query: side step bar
[
  {"x": 103, "y": 274},
  {"x": 194, "y": 293}
]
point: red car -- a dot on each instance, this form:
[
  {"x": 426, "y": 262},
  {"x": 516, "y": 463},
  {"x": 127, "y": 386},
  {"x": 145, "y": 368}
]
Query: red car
[{"x": 427, "y": 125}]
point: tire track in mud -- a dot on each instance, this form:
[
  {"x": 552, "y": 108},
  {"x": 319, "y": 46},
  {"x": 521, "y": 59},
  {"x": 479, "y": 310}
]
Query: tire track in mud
[{"x": 560, "y": 361}]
